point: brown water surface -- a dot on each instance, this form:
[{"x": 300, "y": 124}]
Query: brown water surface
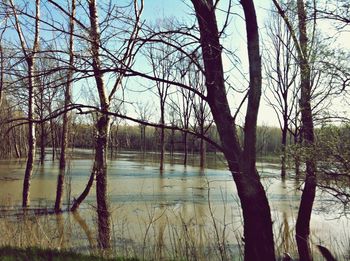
[{"x": 181, "y": 213}]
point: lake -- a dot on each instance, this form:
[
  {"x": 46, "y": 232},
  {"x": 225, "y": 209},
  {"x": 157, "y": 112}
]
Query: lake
[{"x": 182, "y": 213}]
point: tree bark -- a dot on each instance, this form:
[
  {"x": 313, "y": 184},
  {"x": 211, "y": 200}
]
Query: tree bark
[
  {"x": 66, "y": 116},
  {"x": 53, "y": 138},
  {"x": 308, "y": 195},
  {"x": 2, "y": 71},
  {"x": 162, "y": 148},
  {"x": 284, "y": 146},
  {"x": 83, "y": 195},
  {"x": 102, "y": 133},
  {"x": 102, "y": 128},
  {"x": 30, "y": 60},
  {"x": 202, "y": 150},
  {"x": 162, "y": 138},
  {"x": 42, "y": 143},
  {"x": 185, "y": 148},
  {"x": 258, "y": 236},
  {"x": 31, "y": 136},
  {"x": 307, "y": 131}
]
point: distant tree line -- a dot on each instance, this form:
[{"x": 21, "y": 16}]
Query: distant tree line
[{"x": 126, "y": 137}]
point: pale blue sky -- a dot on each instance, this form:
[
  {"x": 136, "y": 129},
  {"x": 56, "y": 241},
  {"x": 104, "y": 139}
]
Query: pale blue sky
[{"x": 235, "y": 41}]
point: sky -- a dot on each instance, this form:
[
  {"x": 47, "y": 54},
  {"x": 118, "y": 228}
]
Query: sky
[{"x": 234, "y": 40}]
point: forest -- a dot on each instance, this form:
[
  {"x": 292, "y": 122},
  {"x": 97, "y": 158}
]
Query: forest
[{"x": 146, "y": 98}]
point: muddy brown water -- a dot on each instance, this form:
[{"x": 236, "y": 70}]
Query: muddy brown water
[{"x": 183, "y": 212}]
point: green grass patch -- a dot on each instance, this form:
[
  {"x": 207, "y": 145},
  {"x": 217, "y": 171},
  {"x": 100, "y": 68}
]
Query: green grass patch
[{"x": 37, "y": 254}]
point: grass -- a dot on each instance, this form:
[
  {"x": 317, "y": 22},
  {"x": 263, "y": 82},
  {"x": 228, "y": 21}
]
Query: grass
[{"x": 37, "y": 254}]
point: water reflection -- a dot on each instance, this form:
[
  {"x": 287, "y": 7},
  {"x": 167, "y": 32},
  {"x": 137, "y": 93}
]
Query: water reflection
[
  {"x": 161, "y": 223},
  {"x": 60, "y": 228},
  {"x": 85, "y": 227},
  {"x": 153, "y": 213}
]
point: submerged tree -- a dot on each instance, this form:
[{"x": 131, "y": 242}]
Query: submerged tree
[
  {"x": 307, "y": 199},
  {"x": 162, "y": 64},
  {"x": 66, "y": 114},
  {"x": 29, "y": 56},
  {"x": 258, "y": 235},
  {"x": 282, "y": 86}
]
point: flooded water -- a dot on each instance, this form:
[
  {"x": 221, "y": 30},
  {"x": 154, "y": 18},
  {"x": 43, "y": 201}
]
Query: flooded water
[{"x": 181, "y": 213}]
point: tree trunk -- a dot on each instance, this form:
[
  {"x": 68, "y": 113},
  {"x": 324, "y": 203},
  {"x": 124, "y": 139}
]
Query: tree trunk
[
  {"x": 83, "y": 195},
  {"x": 162, "y": 149},
  {"x": 30, "y": 59},
  {"x": 185, "y": 148},
  {"x": 101, "y": 181},
  {"x": 102, "y": 133},
  {"x": 42, "y": 143},
  {"x": 144, "y": 140},
  {"x": 284, "y": 147},
  {"x": 2, "y": 71},
  {"x": 15, "y": 145},
  {"x": 308, "y": 195},
  {"x": 162, "y": 136},
  {"x": 53, "y": 140},
  {"x": 31, "y": 137},
  {"x": 66, "y": 117},
  {"x": 258, "y": 236},
  {"x": 111, "y": 140},
  {"x": 297, "y": 142},
  {"x": 172, "y": 142},
  {"x": 202, "y": 152},
  {"x": 306, "y": 132}
]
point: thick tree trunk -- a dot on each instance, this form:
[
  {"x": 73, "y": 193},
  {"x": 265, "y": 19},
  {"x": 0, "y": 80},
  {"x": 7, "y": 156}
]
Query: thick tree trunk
[
  {"x": 101, "y": 181},
  {"x": 256, "y": 215},
  {"x": 66, "y": 118},
  {"x": 308, "y": 195},
  {"x": 102, "y": 133},
  {"x": 258, "y": 236}
]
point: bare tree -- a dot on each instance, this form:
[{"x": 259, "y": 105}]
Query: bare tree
[
  {"x": 202, "y": 115},
  {"x": 29, "y": 55},
  {"x": 2, "y": 56},
  {"x": 66, "y": 114},
  {"x": 241, "y": 160},
  {"x": 337, "y": 11},
  {"x": 282, "y": 86},
  {"x": 102, "y": 122},
  {"x": 162, "y": 63},
  {"x": 303, "y": 46},
  {"x": 182, "y": 101},
  {"x": 144, "y": 114}
]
